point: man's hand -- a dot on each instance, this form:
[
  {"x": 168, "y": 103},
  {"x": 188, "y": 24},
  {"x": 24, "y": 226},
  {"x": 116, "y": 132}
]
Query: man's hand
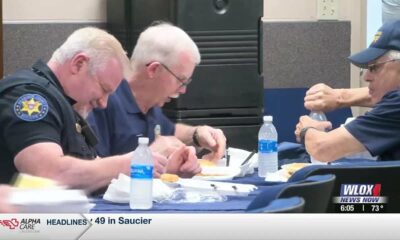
[
  {"x": 321, "y": 97},
  {"x": 165, "y": 145},
  {"x": 183, "y": 162},
  {"x": 306, "y": 121},
  {"x": 213, "y": 139},
  {"x": 160, "y": 164}
]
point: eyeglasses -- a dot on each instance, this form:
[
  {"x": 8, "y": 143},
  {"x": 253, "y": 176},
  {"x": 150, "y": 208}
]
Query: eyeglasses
[
  {"x": 181, "y": 80},
  {"x": 373, "y": 68}
]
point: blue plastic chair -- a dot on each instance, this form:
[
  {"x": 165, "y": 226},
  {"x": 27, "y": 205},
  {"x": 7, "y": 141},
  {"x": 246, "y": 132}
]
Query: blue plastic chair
[
  {"x": 283, "y": 205},
  {"x": 360, "y": 171},
  {"x": 316, "y": 191}
]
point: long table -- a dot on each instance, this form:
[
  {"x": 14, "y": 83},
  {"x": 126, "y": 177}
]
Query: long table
[{"x": 233, "y": 203}]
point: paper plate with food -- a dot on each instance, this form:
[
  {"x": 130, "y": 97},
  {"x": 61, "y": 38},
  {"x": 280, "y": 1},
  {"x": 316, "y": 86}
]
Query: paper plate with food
[
  {"x": 245, "y": 160},
  {"x": 210, "y": 171},
  {"x": 293, "y": 167},
  {"x": 286, "y": 172}
]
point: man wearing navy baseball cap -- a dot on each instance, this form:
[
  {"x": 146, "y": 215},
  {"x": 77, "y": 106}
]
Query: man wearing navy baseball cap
[
  {"x": 378, "y": 130},
  {"x": 386, "y": 38}
]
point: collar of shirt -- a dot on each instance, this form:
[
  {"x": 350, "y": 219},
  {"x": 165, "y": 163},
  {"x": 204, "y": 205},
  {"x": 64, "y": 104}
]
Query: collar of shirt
[
  {"x": 44, "y": 71},
  {"x": 129, "y": 101}
]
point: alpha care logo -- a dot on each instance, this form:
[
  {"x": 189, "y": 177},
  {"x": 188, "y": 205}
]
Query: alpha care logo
[
  {"x": 10, "y": 223},
  {"x": 29, "y": 225},
  {"x": 24, "y": 225}
]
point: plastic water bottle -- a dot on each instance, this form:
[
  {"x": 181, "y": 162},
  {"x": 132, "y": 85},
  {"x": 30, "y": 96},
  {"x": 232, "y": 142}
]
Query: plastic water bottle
[
  {"x": 267, "y": 148},
  {"x": 141, "y": 194},
  {"x": 318, "y": 116}
]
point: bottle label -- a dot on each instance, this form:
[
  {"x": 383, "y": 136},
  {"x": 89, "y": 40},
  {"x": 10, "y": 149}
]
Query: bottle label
[
  {"x": 267, "y": 146},
  {"x": 142, "y": 171}
]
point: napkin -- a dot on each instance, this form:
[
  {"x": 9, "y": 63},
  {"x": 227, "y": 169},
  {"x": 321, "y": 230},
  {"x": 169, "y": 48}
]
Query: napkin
[
  {"x": 119, "y": 189},
  {"x": 237, "y": 157}
]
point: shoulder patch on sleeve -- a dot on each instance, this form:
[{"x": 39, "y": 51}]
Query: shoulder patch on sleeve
[{"x": 31, "y": 107}]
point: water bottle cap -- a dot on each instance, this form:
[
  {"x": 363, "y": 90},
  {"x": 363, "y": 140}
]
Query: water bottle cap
[
  {"x": 318, "y": 115},
  {"x": 143, "y": 140},
  {"x": 268, "y": 118}
]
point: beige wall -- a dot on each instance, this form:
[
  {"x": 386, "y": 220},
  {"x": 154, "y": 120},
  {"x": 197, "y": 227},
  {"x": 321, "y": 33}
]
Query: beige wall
[
  {"x": 306, "y": 10},
  {"x": 15, "y": 11}
]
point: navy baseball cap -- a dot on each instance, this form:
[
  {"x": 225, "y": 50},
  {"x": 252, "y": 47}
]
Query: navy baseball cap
[{"x": 386, "y": 38}]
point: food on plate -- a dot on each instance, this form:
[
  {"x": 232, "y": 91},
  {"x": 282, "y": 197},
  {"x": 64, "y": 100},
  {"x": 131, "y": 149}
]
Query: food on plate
[
  {"x": 24, "y": 180},
  {"x": 206, "y": 163},
  {"x": 169, "y": 178},
  {"x": 293, "y": 167},
  {"x": 217, "y": 173}
]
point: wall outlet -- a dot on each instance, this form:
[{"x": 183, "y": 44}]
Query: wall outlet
[{"x": 327, "y": 9}]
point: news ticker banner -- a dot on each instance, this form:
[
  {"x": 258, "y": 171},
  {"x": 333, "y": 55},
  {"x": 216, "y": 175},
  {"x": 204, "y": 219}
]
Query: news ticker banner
[{"x": 199, "y": 226}]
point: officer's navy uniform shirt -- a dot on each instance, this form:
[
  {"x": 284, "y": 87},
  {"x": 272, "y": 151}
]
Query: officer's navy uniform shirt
[
  {"x": 34, "y": 113},
  {"x": 379, "y": 129},
  {"x": 119, "y": 126}
]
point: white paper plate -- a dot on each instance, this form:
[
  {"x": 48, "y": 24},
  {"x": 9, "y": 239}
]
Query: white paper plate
[{"x": 218, "y": 173}]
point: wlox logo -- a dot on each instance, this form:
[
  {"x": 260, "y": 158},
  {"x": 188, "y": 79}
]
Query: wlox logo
[
  {"x": 12, "y": 223},
  {"x": 360, "y": 190},
  {"x": 360, "y": 193}
]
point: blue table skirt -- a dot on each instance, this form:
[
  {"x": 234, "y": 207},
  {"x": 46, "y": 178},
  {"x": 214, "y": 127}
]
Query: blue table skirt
[{"x": 233, "y": 204}]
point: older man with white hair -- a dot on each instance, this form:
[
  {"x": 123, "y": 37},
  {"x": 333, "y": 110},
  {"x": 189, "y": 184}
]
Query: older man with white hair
[
  {"x": 378, "y": 130},
  {"x": 163, "y": 62}
]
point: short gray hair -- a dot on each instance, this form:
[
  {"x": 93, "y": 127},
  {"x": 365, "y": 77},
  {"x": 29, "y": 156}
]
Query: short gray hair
[
  {"x": 393, "y": 54},
  {"x": 99, "y": 45},
  {"x": 163, "y": 42}
]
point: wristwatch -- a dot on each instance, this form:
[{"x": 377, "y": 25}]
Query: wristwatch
[{"x": 303, "y": 132}]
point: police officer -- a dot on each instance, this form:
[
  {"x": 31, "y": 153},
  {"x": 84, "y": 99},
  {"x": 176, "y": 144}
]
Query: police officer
[{"x": 43, "y": 131}]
